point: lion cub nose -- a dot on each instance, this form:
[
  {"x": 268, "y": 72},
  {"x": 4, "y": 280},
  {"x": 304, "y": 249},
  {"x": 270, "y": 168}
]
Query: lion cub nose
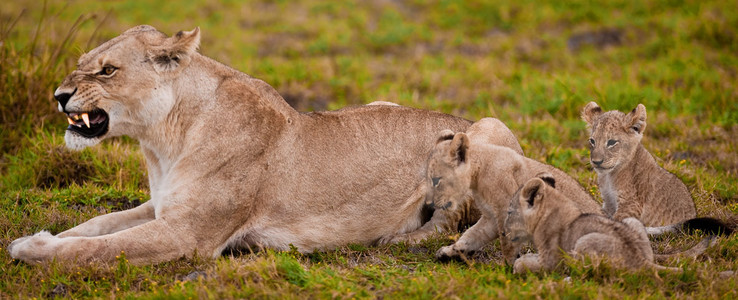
[
  {"x": 597, "y": 162},
  {"x": 63, "y": 98}
]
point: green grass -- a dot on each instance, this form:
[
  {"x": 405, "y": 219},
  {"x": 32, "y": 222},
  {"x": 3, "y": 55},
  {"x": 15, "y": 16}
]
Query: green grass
[{"x": 515, "y": 60}]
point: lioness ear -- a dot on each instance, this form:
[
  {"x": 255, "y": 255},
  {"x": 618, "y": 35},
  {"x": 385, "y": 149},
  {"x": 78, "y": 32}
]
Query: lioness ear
[
  {"x": 459, "y": 147},
  {"x": 532, "y": 192},
  {"x": 176, "y": 51},
  {"x": 547, "y": 178},
  {"x": 590, "y": 112},
  {"x": 637, "y": 119},
  {"x": 445, "y": 135}
]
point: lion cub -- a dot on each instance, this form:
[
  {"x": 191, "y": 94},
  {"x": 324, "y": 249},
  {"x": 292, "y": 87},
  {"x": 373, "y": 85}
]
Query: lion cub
[
  {"x": 558, "y": 225},
  {"x": 631, "y": 182},
  {"x": 492, "y": 174}
]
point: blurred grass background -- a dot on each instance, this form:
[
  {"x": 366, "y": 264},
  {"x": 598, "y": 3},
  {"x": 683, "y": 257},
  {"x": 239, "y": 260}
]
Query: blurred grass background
[{"x": 532, "y": 64}]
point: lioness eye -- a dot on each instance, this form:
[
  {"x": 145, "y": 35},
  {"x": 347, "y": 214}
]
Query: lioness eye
[
  {"x": 107, "y": 70},
  {"x": 611, "y": 143},
  {"x": 435, "y": 181},
  {"x": 592, "y": 141}
]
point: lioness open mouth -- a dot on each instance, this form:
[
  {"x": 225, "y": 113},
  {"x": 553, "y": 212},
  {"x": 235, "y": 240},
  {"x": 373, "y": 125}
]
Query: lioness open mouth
[{"x": 89, "y": 124}]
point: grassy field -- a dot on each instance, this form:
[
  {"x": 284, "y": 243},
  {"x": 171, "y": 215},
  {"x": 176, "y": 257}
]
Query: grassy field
[{"x": 533, "y": 65}]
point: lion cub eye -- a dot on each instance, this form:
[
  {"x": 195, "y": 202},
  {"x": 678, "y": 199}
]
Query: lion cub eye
[
  {"x": 436, "y": 181},
  {"x": 107, "y": 70},
  {"x": 611, "y": 143},
  {"x": 591, "y": 142}
]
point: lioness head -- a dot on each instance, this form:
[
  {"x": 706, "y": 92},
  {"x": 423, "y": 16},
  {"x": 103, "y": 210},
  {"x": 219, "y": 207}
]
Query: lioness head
[
  {"x": 448, "y": 174},
  {"x": 124, "y": 85},
  {"x": 515, "y": 225},
  {"x": 614, "y": 135}
]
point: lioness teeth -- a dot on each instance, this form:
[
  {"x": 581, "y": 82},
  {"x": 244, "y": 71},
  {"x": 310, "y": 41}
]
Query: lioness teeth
[
  {"x": 70, "y": 121},
  {"x": 86, "y": 118}
]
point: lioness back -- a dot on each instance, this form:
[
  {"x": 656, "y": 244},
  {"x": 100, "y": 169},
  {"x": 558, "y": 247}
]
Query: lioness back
[{"x": 350, "y": 179}]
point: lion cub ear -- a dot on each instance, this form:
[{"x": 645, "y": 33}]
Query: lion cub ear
[
  {"x": 176, "y": 51},
  {"x": 532, "y": 192},
  {"x": 548, "y": 178},
  {"x": 445, "y": 135},
  {"x": 459, "y": 148},
  {"x": 636, "y": 119},
  {"x": 590, "y": 112}
]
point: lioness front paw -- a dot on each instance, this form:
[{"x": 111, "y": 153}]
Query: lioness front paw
[{"x": 34, "y": 248}]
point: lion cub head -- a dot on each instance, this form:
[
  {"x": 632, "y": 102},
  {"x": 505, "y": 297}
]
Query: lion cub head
[
  {"x": 523, "y": 212},
  {"x": 615, "y": 136},
  {"x": 125, "y": 85},
  {"x": 448, "y": 174}
]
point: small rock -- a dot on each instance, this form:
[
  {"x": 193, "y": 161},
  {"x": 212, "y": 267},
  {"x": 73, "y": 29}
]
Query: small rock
[
  {"x": 59, "y": 290},
  {"x": 195, "y": 275}
]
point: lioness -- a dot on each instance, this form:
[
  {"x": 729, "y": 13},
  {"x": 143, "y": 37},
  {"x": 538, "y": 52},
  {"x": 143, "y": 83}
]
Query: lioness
[
  {"x": 632, "y": 184},
  {"x": 493, "y": 174},
  {"x": 558, "y": 225},
  {"x": 231, "y": 164}
]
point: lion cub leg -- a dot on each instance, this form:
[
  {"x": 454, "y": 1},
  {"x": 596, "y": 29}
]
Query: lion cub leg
[
  {"x": 530, "y": 262},
  {"x": 598, "y": 245},
  {"x": 472, "y": 240}
]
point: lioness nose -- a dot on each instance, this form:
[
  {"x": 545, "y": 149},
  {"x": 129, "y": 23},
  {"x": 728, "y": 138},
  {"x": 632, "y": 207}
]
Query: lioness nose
[
  {"x": 63, "y": 98},
  {"x": 597, "y": 162}
]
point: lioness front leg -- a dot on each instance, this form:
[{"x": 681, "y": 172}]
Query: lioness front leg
[
  {"x": 472, "y": 240},
  {"x": 152, "y": 242},
  {"x": 113, "y": 222}
]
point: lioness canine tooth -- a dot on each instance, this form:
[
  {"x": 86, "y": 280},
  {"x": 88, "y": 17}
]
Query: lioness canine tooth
[{"x": 86, "y": 118}]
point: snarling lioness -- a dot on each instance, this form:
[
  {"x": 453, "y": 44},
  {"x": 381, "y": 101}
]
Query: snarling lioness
[{"x": 231, "y": 164}]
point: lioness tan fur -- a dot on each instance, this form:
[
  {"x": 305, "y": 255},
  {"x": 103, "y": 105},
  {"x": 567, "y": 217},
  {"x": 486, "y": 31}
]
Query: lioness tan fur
[
  {"x": 231, "y": 164},
  {"x": 558, "y": 226},
  {"x": 492, "y": 174},
  {"x": 632, "y": 184}
]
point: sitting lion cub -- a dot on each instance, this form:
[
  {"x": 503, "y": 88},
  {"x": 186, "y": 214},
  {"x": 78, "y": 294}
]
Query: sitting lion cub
[
  {"x": 558, "y": 225},
  {"x": 492, "y": 174},
  {"x": 631, "y": 182}
]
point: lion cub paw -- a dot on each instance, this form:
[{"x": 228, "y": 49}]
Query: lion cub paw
[
  {"x": 451, "y": 253},
  {"x": 527, "y": 263}
]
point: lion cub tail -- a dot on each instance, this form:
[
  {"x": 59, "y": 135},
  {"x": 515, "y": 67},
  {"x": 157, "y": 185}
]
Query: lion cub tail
[
  {"x": 710, "y": 226},
  {"x": 697, "y": 249}
]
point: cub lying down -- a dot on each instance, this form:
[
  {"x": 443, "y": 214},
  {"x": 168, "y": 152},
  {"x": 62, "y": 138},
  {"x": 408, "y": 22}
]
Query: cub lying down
[
  {"x": 493, "y": 174},
  {"x": 485, "y": 131},
  {"x": 557, "y": 225}
]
